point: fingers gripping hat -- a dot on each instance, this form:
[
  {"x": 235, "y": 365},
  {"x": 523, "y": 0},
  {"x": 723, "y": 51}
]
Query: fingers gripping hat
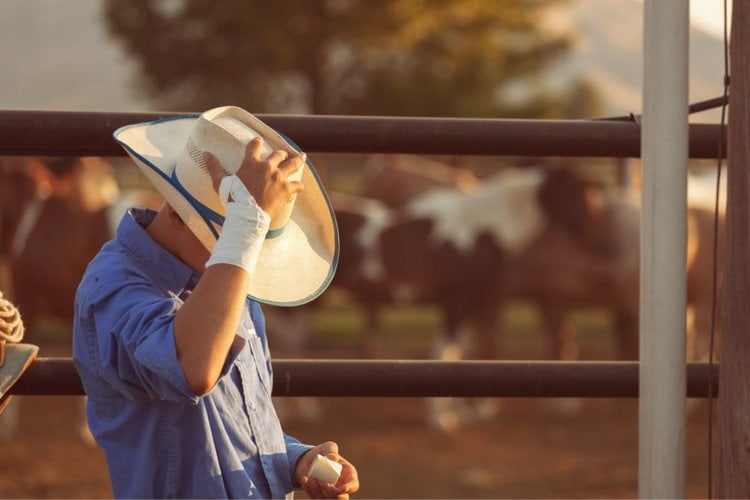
[{"x": 300, "y": 253}]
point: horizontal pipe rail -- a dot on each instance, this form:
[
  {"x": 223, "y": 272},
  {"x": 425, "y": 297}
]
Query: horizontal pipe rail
[
  {"x": 417, "y": 378},
  {"x": 69, "y": 133}
]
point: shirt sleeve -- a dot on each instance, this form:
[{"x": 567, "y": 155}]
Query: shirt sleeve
[
  {"x": 132, "y": 343},
  {"x": 294, "y": 451}
]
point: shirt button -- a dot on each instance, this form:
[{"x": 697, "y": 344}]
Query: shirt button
[{"x": 252, "y": 405}]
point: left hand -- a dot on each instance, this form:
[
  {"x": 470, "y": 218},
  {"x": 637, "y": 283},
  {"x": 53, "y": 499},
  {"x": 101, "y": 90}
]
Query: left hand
[
  {"x": 265, "y": 178},
  {"x": 347, "y": 483}
]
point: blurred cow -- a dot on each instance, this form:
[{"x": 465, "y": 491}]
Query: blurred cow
[
  {"x": 452, "y": 249},
  {"x": 558, "y": 274},
  {"x": 391, "y": 182},
  {"x": 55, "y": 214},
  {"x": 468, "y": 253},
  {"x": 53, "y": 219}
]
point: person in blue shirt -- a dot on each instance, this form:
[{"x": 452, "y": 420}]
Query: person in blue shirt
[{"x": 171, "y": 348}]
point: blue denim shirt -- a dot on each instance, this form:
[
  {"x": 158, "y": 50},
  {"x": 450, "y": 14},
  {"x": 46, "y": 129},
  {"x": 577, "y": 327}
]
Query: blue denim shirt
[{"x": 160, "y": 439}]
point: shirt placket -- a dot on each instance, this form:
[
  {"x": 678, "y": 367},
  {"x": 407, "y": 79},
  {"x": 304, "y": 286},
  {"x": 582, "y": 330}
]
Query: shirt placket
[{"x": 261, "y": 433}]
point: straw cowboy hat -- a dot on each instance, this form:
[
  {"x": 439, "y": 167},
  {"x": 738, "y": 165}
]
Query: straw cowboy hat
[
  {"x": 15, "y": 358},
  {"x": 299, "y": 257}
]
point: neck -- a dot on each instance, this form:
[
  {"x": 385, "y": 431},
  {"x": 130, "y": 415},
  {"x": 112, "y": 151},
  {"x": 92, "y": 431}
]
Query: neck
[
  {"x": 168, "y": 230},
  {"x": 162, "y": 232}
]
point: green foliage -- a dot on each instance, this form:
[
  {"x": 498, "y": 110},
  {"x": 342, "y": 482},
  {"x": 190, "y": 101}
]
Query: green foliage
[{"x": 390, "y": 57}]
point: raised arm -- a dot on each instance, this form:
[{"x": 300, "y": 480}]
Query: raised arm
[{"x": 206, "y": 324}]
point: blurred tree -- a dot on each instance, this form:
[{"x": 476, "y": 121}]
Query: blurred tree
[{"x": 389, "y": 57}]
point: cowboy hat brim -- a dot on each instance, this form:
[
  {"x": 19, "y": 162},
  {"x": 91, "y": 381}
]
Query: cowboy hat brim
[
  {"x": 18, "y": 357},
  {"x": 293, "y": 268}
]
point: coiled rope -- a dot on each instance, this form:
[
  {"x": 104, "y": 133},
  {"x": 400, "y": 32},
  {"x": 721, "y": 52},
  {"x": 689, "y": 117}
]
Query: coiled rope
[{"x": 11, "y": 325}]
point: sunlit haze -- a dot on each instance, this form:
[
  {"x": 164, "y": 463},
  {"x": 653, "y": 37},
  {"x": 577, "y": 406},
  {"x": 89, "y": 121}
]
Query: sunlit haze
[{"x": 709, "y": 15}]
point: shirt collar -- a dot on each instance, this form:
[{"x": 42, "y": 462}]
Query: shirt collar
[{"x": 165, "y": 269}]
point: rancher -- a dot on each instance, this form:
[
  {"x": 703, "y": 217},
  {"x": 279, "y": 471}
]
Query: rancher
[{"x": 169, "y": 336}]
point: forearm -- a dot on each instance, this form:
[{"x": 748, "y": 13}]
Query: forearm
[{"x": 206, "y": 324}]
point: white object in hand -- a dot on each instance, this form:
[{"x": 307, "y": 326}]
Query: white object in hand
[{"x": 325, "y": 469}]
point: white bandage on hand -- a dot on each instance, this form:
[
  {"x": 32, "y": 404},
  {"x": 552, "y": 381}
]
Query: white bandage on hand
[{"x": 245, "y": 227}]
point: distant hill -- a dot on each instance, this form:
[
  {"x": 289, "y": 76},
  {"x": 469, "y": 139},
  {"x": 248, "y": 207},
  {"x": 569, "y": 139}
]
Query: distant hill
[
  {"x": 610, "y": 53},
  {"x": 57, "y": 55}
]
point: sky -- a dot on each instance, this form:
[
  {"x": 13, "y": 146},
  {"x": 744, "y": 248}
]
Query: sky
[{"x": 709, "y": 15}]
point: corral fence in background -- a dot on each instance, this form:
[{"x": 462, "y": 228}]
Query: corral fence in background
[
  {"x": 45, "y": 133},
  {"x": 417, "y": 378},
  {"x": 50, "y": 133}
]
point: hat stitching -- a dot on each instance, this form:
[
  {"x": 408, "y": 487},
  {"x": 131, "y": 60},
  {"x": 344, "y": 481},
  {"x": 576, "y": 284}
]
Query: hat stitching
[{"x": 196, "y": 155}]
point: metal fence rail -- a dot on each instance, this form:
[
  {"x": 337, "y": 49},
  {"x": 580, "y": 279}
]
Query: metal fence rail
[
  {"x": 62, "y": 133},
  {"x": 52, "y": 133},
  {"x": 417, "y": 378}
]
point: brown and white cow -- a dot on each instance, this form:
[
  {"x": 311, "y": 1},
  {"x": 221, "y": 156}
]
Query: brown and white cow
[
  {"x": 576, "y": 246},
  {"x": 454, "y": 249},
  {"x": 390, "y": 182}
]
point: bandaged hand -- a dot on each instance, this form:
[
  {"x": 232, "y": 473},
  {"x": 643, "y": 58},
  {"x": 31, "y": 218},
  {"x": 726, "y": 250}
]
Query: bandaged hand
[
  {"x": 252, "y": 198},
  {"x": 245, "y": 227}
]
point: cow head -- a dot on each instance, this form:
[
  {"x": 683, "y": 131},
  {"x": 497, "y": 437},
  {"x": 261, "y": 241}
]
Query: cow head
[{"x": 577, "y": 205}]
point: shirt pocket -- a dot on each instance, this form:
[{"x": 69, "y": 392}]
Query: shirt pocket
[{"x": 257, "y": 350}]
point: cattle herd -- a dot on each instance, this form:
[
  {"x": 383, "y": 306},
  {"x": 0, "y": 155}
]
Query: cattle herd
[
  {"x": 430, "y": 234},
  {"x": 55, "y": 214}
]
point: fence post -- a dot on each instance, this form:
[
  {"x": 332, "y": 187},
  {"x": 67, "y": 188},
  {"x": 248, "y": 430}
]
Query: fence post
[
  {"x": 664, "y": 140},
  {"x": 734, "y": 402}
]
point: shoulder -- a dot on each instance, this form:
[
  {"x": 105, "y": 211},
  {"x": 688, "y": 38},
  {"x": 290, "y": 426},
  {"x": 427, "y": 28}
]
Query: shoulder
[{"x": 110, "y": 272}]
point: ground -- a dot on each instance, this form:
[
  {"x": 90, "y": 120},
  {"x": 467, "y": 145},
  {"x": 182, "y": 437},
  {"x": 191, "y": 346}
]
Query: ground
[{"x": 528, "y": 450}]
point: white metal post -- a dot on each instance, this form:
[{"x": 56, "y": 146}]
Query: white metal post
[{"x": 664, "y": 149}]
